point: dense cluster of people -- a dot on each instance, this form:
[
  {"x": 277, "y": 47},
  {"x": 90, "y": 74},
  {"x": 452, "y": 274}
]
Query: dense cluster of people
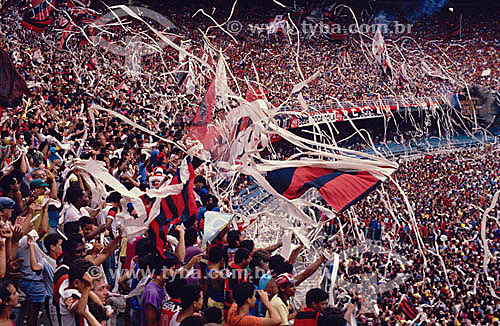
[
  {"x": 449, "y": 193},
  {"x": 65, "y": 252}
]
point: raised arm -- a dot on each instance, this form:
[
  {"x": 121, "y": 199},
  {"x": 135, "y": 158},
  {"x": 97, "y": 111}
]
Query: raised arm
[
  {"x": 44, "y": 223},
  {"x": 295, "y": 253},
  {"x": 309, "y": 271},
  {"x": 24, "y": 164},
  {"x": 193, "y": 261},
  {"x": 35, "y": 266},
  {"x": 180, "y": 251},
  {"x": 81, "y": 306},
  {"x": 3, "y": 259},
  {"x": 272, "y": 248},
  {"x": 106, "y": 252},
  {"x": 274, "y": 317},
  {"x": 53, "y": 184}
]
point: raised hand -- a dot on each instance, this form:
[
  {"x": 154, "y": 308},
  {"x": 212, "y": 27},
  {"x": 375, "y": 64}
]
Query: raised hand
[
  {"x": 13, "y": 268},
  {"x": 6, "y": 231}
]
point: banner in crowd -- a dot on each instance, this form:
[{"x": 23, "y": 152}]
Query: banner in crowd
[
  {"x": 38, "y": 16},
  {"x": 352, "y": 113}
]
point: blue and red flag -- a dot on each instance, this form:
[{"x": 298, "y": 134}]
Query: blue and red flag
[
  {"x": 39, "y": 15},
  {"x": 176, "y": 209},
  {"x": 340, "y": 189}
]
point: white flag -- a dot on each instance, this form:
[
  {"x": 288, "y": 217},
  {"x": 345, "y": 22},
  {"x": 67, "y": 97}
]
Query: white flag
[
  {"x": 378, "y": 46},
  {"x": 214, "y": 223},
  {"x": 486, "y": 72}
]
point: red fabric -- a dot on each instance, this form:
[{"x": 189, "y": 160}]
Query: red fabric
[
  {"x": 203, "y": 117},
  {"x": 338, "y": 192},
  {"x": 306, "y": 317},
  {"x": 13, "y": 85}
]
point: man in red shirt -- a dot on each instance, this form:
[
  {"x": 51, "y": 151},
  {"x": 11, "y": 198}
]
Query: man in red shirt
[
  {"x": 244, "y": 297},
  {"x": 238, "y": 276},
  {"x": 316, "y": 301}
]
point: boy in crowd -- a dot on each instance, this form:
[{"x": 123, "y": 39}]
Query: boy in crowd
[
  {"x": 316, "y": 302},
  {"x": 191, "y": 303},
  {"x": 155, "y": 293},
  {"x": 245, "y": 298},
  {"x": 74, "y": 300},
  {"x": 47, "y": 265},
  {"x": 172, "y": 303}
]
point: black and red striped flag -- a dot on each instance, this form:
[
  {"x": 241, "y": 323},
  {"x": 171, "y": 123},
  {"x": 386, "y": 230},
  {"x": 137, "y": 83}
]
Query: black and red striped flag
[
  {"x": 408, "y": 309},
  {"x": 90, "y": 64},
  {"x": 177, "y": 209},
  {"x": 39, "y": 15}
]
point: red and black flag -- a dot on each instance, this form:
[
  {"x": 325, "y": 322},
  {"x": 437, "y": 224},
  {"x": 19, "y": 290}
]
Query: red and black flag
[
  {"x": 90, "y": 64},
  {"x": 408, "y": 309},
  {"x": 177, "y": 209},
  {"x": 38, "y": 16},
  {"x": 340, "y": 189},
  {"x": 454, "y": 31},
  {"x": 63, "y": 43},
  {"x": 199, "y": 128},
  {"x": 12, "y": 84}
]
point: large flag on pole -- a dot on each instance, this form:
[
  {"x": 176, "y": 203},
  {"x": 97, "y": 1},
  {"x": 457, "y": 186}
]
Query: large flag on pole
[
  {"x": 12, "y": 84},
  {"x": 202, "y": 127}
]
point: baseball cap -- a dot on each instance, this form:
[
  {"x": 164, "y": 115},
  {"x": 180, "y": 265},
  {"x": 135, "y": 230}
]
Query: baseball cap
[
  {"x": 6, "y": 202},
  {"x": 285, "y": 278},
  {"x": 38, "y": 183}
]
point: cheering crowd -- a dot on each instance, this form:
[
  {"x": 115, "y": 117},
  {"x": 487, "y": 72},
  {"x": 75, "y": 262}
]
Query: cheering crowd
[
  {"x": 449, "y": 193},
  {"x": 62, "y": 249}
]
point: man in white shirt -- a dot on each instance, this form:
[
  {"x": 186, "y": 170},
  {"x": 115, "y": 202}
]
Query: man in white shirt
[{"x": 77, "y": 200}]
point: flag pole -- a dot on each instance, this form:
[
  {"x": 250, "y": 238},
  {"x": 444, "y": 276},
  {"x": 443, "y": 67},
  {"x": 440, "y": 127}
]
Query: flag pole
[{"x": 460, "y": 25}]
